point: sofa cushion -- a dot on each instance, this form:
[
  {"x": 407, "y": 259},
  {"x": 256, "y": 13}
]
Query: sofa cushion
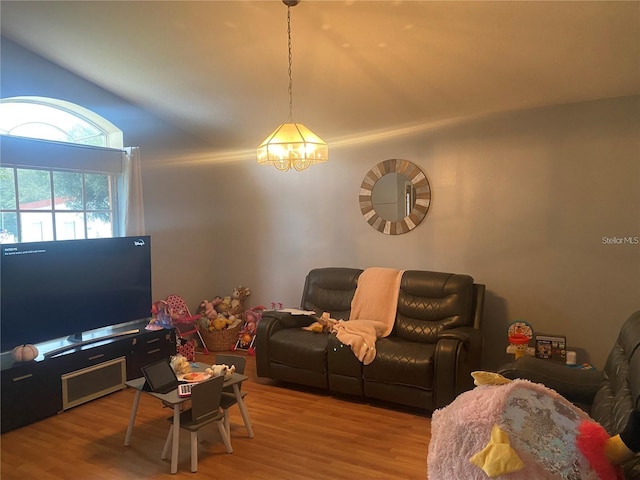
[
  {"x": 432, "y": 301},
  {"x": 330, "y": 290},
  {"x": 299, "y": 348},
  {"x": 401, "y": 362}
]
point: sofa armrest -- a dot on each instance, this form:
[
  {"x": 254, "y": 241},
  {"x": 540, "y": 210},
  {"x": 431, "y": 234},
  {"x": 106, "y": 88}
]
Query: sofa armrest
[
  {"x": 469, "y": 336},
  {"x": 271, "y": 322},
  {"x": 457, "y": 354},
  {"x": 579, "y": 386},
  {"x": 287, "y": 320}
]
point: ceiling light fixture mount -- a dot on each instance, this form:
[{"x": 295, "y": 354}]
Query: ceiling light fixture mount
[{"x": 292, "y": 145}]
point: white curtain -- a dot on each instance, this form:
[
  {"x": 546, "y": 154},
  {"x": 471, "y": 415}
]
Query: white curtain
[{"x": 130, "y": 194}]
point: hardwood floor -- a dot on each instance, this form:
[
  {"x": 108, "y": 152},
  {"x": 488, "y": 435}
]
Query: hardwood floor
[{"x": 299, "y": 434}]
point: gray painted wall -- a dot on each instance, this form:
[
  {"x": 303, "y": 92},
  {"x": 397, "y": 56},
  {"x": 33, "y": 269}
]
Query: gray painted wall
[{"x": 521, "y": 201}]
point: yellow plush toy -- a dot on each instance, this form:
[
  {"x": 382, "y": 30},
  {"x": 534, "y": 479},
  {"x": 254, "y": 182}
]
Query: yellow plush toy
[
  {"x": 322, "y": 324},
  {"x": 219, "y": 323}
]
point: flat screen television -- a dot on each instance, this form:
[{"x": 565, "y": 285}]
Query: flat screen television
[{"x": 50, "y": 290}]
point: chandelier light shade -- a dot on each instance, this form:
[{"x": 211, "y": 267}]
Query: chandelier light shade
[{"x": 292, "y": 145}]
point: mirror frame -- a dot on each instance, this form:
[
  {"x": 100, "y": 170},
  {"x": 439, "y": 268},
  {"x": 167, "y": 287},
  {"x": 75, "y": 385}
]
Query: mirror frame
[{"x": 420, "y": 208}]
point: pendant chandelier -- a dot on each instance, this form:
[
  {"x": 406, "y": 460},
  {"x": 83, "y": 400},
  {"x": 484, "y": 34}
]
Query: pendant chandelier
[{"x": 292, "y": 145}]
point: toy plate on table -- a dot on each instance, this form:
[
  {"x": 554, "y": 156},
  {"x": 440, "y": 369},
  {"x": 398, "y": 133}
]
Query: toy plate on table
[{"x": 194, "y": 377}]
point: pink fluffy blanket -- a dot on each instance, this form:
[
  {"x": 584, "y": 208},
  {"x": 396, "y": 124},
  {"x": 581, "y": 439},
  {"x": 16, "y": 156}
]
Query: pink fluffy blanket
[{"x": 373, "y": 312}]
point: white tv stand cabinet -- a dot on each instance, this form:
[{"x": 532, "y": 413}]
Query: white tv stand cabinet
[{"x": 68, "y": 373}]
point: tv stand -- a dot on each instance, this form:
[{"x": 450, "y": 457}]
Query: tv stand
[
  {"x": 91, "y": 368},
  {"x": 80, "y": 343}
]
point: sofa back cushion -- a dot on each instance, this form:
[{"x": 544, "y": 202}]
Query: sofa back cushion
[
  {"x": 330, "y": 290},
  {"x": 430, "y": 302}
]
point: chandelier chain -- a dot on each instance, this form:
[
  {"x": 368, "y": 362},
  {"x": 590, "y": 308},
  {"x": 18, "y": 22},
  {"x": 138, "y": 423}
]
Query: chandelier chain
[
  {"x": 290, "y": 62},
  {"x": 291, "y": 145}
]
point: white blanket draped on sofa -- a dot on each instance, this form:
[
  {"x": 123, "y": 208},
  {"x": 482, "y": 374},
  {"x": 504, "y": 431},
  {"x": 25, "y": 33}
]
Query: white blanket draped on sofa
[{"x": 373, "y": 312}]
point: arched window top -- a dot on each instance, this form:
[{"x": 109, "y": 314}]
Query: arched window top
[{"x": 57, "y": 120}]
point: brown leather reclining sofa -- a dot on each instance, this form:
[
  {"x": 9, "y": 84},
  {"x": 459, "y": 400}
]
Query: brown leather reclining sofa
[{"x": 425, "y": 362}]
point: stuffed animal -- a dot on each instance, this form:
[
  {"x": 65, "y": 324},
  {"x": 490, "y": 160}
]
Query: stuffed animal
[
  {"x": 224, "y": 305},
  {"x": 322, "y": 324},
  {"x": 232, "y": 306},
  {"x": 208, "y": 308},
  {"x": 220, "y": 323},
  {"x": 209, "y": 315},
  {"x": 516, "y": 429},
  {"x": 238, "y": 298},
  {"x": 180, "y": 364},
  {"x": 217, "y": 370}
]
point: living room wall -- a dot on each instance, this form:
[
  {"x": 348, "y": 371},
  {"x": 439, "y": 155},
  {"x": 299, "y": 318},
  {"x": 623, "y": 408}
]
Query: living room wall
[{"x": 520, "y": 200}]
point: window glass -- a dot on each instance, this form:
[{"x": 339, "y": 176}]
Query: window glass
[
  {"x": 49, "y": 123},
  {"x": 8, "y": 227},
  {"x": 34, "y": 189},
  {"x": 40, "y": 130},
  {"x": 68, "y": 185},
  {"x": 7, "y": 189},
  {"x": 68, "y": 212},
  {"x": 60, "y": 197},
  {"x": 99, "y": 225},
  {"x": 69, "y": 225},
  {"x": 36, "y": 226},
  {"x": 98, "y": 191}
]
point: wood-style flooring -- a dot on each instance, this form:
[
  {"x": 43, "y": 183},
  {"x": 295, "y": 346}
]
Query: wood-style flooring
[{"x": 299, "y": 434}]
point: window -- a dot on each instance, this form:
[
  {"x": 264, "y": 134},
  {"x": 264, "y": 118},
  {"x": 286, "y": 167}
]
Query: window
[
  {"x": 57, "y": 120},
  {"x": 63, "y": 185}
]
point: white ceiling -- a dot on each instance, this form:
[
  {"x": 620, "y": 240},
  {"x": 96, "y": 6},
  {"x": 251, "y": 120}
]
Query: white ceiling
[{"x": 219, "y": 68}]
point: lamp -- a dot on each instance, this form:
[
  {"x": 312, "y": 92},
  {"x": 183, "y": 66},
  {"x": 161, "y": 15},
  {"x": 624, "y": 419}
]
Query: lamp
[{"x": 292, "y": 144}]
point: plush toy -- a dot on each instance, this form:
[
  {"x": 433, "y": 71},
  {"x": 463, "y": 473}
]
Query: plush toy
[
  {"x": 224, "y": 305},
  {"x": 232, "y": 306},
  {"x": 220, "y": 323},
  {"x": 217, "y": 370},
  {"x": 238, "y": 298},
  {"x": 208, "y": 308},
  {"x": 180, "y": 365},
  {"x": 322, "y": 324},
  {"x": 24, "y": 353},
  {"x": 516, "y": 429}
]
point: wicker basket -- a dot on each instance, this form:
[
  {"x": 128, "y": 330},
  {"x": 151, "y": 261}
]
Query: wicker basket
[{"x": 220, "y": 340}]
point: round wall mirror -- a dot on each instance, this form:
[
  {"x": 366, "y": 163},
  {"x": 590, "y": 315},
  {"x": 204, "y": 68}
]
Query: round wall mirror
[{"x": 395, "y": 196}]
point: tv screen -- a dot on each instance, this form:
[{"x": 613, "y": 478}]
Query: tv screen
[{"x": 51, "y": 290}]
